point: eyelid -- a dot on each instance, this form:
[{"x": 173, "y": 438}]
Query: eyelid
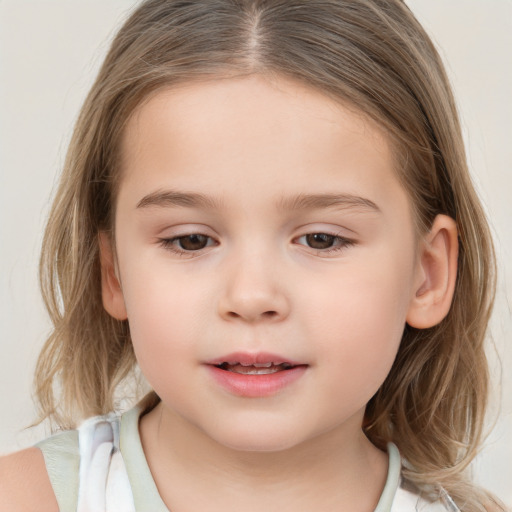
[
  {"x": 169, "y": 243},
  {"x": 343, "y": 242}
]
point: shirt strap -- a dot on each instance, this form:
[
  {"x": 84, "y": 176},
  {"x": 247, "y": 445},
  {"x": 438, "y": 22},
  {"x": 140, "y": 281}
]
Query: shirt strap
[
  {"x": 62, "y": 460},
  {"x": 104, "y": 485}
]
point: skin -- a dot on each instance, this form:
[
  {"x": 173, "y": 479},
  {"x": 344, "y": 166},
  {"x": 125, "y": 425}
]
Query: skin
[{"x": 259, "y": 284}]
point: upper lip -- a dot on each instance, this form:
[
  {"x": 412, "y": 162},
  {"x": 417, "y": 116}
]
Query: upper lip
[{"x": 248, "y": 359}]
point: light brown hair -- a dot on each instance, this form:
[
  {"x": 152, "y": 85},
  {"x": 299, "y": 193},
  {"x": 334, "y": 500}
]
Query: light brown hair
[{"x": 371, "y": 54}]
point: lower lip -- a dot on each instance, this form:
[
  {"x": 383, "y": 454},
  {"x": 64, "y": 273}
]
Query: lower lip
[{"x": 256, "y": 386}]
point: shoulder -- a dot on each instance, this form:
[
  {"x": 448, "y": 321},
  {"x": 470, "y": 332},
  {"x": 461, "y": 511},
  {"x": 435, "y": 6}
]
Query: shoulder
[{"x": 24, "y": 483}]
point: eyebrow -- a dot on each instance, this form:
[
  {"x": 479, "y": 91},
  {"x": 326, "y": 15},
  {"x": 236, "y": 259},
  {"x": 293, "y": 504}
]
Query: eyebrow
[
  {"x": 318, "y": 201},
  {"x": 171, "y": 198}
]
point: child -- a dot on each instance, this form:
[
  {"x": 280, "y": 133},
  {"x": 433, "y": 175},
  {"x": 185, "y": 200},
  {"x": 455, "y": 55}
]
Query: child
[{"x": 265, "y": 205}]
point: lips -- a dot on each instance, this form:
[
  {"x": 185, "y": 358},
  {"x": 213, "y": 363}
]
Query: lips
[
  {"x": 254, "y": 369},
  {"x": 258, "y": 359},
  {"x": 255, "y": 375}
]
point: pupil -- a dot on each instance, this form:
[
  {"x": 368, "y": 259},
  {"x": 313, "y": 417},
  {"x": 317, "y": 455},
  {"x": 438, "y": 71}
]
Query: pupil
[
  {"x": 193, "y": 242},
  {"x": 320, "y": 240}
]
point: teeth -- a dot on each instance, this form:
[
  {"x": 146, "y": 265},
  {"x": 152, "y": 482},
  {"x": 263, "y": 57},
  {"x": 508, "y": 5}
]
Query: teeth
[
  {"x": 252, "y": 370},
  {"x": 256, "y": 365}
]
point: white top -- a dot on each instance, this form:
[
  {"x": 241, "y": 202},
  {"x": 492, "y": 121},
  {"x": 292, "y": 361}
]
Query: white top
[{"x": 102, "y": 468}]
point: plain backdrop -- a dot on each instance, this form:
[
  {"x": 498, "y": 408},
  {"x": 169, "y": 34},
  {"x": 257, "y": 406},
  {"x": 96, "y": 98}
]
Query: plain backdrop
[{"x": 50, "y": 51}]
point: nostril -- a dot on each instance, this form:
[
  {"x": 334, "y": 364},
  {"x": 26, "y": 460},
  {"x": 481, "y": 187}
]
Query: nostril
[{"x": 264, "y": 314}]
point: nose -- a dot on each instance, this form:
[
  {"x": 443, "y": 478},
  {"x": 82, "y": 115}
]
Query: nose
[{"x": 253, "y": 291}]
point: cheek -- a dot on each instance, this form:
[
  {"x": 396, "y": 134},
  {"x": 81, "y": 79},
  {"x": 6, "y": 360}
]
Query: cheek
[
  {"x": 166, "y": 312},
  {"x": 359, "y": 322}
]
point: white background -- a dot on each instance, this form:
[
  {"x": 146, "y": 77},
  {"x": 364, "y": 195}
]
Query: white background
[{"x": 50, "y": 51}]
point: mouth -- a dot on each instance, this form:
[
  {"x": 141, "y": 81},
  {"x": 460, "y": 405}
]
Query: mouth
[
  {"x": 255, "y": 375},
  {"x": 255, "y": 368}
]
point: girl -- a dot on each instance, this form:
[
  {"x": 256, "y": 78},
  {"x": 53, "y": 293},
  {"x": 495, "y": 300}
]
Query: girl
[{"x": 266, "y": 206}]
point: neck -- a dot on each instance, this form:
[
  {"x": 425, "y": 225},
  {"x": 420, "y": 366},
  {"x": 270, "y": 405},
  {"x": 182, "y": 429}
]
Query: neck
[{"x": 338, "y": 470}]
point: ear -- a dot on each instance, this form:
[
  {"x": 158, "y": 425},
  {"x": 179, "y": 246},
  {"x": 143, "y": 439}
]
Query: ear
[
  {"x": 436, "y": 275},
  {"x": 111, "y": 292}
]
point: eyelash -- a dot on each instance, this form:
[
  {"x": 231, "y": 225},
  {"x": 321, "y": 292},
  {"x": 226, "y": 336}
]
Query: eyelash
[{"x": 170, "y": 244}]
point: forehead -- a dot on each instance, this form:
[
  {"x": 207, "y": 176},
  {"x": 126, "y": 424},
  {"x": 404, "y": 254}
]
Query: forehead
[
  {"x": 274, "y": 133},
  {"x": 261, "y": 101}
]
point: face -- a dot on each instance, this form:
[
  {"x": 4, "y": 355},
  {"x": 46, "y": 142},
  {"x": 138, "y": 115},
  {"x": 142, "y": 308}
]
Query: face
[{"x": 266, "y": 258}]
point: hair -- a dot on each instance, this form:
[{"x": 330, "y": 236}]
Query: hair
[{"x": 369, "y": 54}]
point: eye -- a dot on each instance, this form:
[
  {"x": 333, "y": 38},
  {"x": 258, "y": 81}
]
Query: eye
[
  {"x": 325, "y": 242},
  {"x": 190, "y": 243}
]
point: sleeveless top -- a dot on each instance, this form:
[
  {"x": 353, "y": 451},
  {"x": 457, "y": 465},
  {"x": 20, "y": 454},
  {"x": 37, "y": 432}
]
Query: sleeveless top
[{"x": 101, "y": 467}]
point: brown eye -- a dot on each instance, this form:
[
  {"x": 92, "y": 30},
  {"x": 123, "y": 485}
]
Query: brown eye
[
  {"x": 191, "y": 245},
  {"x": 320, "y": 240},
  {"x": 194, "y": 242},
  {"x": 325, "y": 244}
]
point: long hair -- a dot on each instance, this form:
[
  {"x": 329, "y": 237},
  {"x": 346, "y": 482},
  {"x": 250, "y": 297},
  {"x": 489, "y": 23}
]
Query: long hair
[{"x": 371, "y": 54}]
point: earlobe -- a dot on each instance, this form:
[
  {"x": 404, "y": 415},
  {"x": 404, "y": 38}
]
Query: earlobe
[
  {"x": 436, "y": 275},
  {"x": 112, "y": 294}
]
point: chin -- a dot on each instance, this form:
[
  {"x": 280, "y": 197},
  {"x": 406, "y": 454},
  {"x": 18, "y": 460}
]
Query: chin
[{"x": 262, "y": 440}]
